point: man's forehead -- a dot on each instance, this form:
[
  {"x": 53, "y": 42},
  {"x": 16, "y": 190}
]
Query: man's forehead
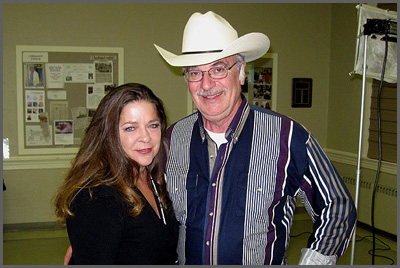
[{"x": 225, "y": 61}]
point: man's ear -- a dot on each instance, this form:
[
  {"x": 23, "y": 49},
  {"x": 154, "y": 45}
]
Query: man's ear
[{"x": 242, "y": 74}]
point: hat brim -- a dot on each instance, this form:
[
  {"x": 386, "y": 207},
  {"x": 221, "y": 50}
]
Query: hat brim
[{"x": 252, "y": 46}]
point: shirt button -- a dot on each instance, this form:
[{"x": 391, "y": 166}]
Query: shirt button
[
  {"x": 211, "y": 156},
  {"x": 213, "y": 185},
  {"x": 208, "y": 243},
  {"x": 211, "y": 214}
]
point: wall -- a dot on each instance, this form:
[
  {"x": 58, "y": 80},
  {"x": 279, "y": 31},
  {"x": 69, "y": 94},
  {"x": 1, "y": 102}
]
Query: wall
[
  {"x": 305, "y": 36},
  {"x": 345, "y": 93}
]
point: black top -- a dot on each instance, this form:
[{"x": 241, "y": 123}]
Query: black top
[{"x": 102, "y": 232}]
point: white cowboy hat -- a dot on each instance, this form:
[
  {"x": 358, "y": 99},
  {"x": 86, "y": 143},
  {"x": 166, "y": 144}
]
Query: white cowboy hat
[{"x": 209, "y": 37}]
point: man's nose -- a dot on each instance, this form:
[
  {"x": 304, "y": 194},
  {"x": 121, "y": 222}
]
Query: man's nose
[{"x": 207, "y": 82}]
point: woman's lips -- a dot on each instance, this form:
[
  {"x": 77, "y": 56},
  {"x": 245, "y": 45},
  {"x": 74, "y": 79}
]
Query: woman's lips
[{"x": 145, "y": 151}]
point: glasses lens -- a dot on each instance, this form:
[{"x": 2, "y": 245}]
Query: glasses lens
[
  {"x": 218, "y": 72},
  {"x": 193, "y": 76}
]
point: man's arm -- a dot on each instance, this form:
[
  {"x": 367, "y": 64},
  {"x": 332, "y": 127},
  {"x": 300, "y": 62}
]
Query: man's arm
[{"x": 327, "y": 199}]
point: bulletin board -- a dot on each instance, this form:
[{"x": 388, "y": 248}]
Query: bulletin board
[{"x": 58, "y": 90}]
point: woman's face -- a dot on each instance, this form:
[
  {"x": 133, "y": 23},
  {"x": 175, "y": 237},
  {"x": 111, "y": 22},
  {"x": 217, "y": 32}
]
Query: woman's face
[{"x": 140, "y": 132}]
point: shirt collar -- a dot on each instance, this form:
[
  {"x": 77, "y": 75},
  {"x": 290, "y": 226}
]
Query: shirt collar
[{"x": 235, "y": 127}]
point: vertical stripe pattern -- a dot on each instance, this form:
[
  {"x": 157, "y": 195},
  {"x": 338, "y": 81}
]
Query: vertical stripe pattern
[
  {"x": 285, "y": 162},
  {"x": 176, "y": 174},
  {"x": 261, "y": 189}
]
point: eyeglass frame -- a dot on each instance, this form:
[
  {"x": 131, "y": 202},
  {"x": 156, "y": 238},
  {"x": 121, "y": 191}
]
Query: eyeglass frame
[{"x": 208, "y": 71}]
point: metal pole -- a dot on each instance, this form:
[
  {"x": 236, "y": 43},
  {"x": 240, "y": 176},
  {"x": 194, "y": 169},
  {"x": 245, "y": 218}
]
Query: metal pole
[{"x": 360, "y": 145}]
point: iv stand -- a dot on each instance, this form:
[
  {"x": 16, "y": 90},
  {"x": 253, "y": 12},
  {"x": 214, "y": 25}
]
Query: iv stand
[{"x": 360, "y": 145}]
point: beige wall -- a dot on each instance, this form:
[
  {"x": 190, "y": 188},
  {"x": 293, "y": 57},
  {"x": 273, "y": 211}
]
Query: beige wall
[
  {"x": 312, "y": 41},
  {"x": 344, "y": 91}
]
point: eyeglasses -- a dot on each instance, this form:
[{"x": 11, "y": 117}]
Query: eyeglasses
[{"x": 217, "y": 72}]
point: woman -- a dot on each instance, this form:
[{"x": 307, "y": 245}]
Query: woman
[{"x": 114, "y": 199}]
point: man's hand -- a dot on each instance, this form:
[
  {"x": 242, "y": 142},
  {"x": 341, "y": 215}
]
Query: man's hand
[{"x": 68, "y": 255}]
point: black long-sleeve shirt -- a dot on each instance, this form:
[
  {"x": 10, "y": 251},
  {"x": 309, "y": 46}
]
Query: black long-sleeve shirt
[{"x": 102, "y": 232}]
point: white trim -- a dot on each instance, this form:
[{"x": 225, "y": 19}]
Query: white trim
[
  {"x": 37, "y": 162},
  {"x": 274, "y": 56},
  {"x": 351, "y": 159}
]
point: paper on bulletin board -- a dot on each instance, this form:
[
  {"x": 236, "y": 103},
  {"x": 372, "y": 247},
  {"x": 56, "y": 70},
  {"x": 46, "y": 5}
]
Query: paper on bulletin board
[
  {"x": 35, "y": 56},
  {"x": 38, "y": 136},
  {"x": 55, "y": 75},
  {"x": 79, "y": 73},
  {"x": 104, "y": 72},
  {"x": 58, "y": 110},
  {"x": 81, "y": 118},
  {"x": 34, "y": 73},
  {"x": 34, "y": 105},
  {"x": 57, "y": 94},
  {"x": 63, "y": 132},
  {"x": 94, "y": 94}
]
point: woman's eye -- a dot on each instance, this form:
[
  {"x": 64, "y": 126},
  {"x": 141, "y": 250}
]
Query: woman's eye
[
  {"x": 129, "y": 129},
  {"x": 154, "y": 125}
]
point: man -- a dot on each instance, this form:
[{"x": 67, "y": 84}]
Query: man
[{"x": 235, "y": 170}]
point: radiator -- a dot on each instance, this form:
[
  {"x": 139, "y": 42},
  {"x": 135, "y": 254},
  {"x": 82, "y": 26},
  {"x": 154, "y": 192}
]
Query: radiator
[{"x": 385, "y": 214}]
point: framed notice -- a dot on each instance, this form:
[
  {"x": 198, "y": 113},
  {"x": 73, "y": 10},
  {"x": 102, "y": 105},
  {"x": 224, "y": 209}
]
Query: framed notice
[{"x": 301, "y": 92}]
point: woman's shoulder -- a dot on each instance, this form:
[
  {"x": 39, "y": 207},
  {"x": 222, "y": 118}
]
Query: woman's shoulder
[
  {"x": 99, "y": 204},
  {"x": 102, "y": 194}
]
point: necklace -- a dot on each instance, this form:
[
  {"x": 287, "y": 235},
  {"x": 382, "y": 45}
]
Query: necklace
[{"x": 159, "y": 201}]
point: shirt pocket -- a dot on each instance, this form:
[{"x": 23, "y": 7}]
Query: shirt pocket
[
  {"x": 240, "y": 194},
  {"x": 197, "y": 189}
]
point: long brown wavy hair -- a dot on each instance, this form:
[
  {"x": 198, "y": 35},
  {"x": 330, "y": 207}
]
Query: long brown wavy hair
[{"x": 101, "y": 159}]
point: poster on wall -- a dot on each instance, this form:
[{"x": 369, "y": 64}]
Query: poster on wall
[
  {"x": 262, "y": 87},
  {"x": 34, "y": 75}
]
